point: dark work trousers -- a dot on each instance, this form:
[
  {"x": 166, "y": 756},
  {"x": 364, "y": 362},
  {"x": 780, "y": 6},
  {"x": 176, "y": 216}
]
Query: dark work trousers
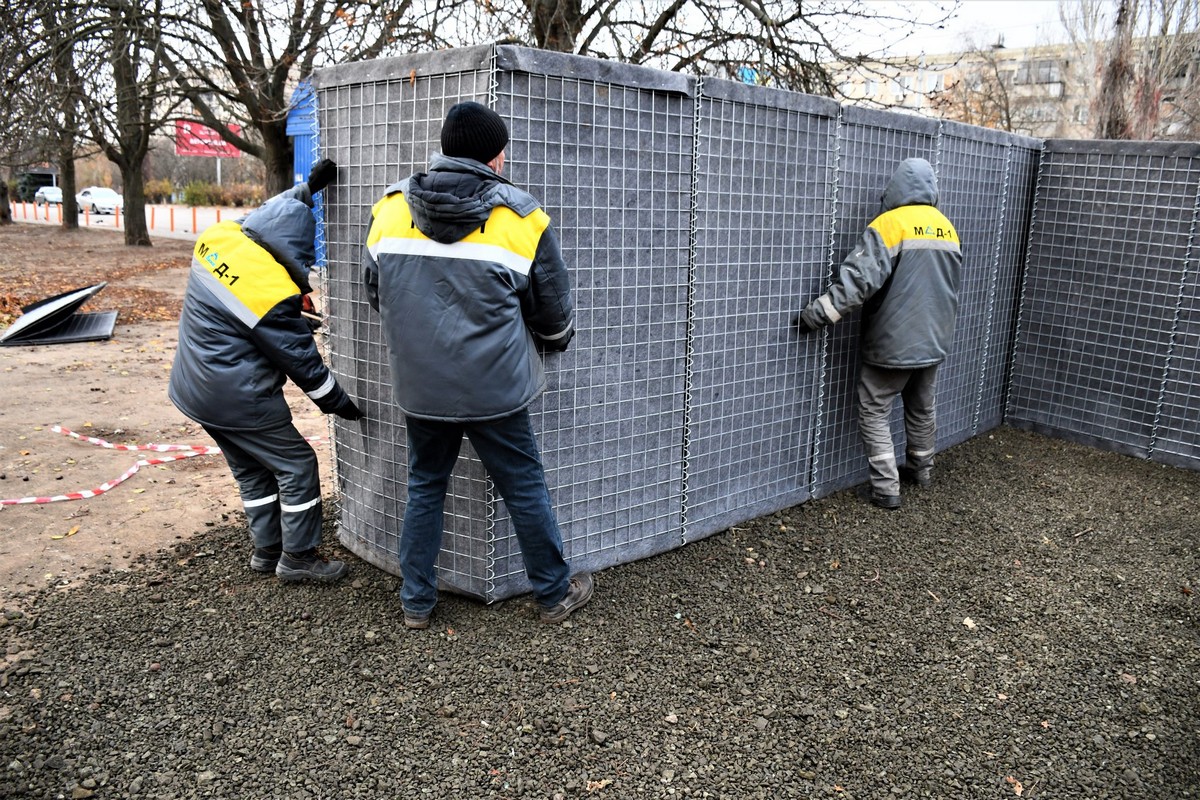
[
  {"x": 280, "y": 481},
  {"x": 877, "y": 391}
]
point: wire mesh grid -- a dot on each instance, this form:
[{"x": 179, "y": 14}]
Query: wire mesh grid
[
  {"x": 974, "y": 170},
  {"x": 1010, "y": 259},
  {"x": 1176, "y": 434},
  {"x": 610, "y": 164},
  {"x": 764, "y": 197},
  {"x": 380, "y": 132},
  {"x": 871, "y": 146},
  {"x": 1110, "y": 246}
]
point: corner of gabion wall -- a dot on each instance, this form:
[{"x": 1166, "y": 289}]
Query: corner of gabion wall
[{"x": 696, "y": 215}]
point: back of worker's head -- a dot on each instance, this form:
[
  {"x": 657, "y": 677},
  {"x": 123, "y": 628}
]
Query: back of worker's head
[{"x": 472, "y": 130}]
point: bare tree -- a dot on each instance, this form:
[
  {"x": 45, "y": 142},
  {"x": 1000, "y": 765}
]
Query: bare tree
[
  {"x": 1116, "y": 78},
  {"x": 778, "y": 42},
  {"x": 265, "y": 47},
  {"x": 1148, "y": 72}
]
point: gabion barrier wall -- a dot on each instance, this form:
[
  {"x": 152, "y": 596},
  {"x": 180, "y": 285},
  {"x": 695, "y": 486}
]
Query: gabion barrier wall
[
  {"x": 696, "y": 217},
  {"x": 1109, "y": 339}
]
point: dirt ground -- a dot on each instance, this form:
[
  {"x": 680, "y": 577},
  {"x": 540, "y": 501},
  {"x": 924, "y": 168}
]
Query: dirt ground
[{"x": 111, "y": 390}]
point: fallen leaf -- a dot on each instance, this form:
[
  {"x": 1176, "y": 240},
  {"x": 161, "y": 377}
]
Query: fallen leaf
[
  {"x": 1045, "y": 723},
  {"x": 1130, "y": 679},
  {"x": 835, "y": 564},
  {"x": 595, "y": 786},
  {"x": 74, "y": 530},
  {"x": 138, "y": 491},
  {"x": 1018, "y": 789},
  {"x": 969, "y": 623}
]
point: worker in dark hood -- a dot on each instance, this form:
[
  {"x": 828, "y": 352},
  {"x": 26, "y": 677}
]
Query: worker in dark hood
[
  {"x": 469, "y": 281},
  {"x": 241, "y": 336},
  {"x": 905, "y": 274}
]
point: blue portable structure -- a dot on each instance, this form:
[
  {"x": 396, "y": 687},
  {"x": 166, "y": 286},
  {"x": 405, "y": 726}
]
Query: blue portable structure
[{"x": 304, "y": 129}]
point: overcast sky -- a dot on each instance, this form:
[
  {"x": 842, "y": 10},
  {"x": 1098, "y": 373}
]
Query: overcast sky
[{"x": 1023, "y": 23}]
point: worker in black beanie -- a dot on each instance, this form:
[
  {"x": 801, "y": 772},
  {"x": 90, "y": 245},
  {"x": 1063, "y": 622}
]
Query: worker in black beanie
[{"x": 469, "y": 281}]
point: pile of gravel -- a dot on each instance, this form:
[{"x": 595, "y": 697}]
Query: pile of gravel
[{"x": 1025, "y": 628}]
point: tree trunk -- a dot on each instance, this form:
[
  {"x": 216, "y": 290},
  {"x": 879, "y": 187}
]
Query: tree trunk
[
  {"x": 136, "y": 232},
  {"x": 556, "y": 23},
  {"x": 1112, "y": 112},
  {"x": 277, "y": 157},
  {"x": 68, "y": 183},
  {"x": 5, "y": 208}
]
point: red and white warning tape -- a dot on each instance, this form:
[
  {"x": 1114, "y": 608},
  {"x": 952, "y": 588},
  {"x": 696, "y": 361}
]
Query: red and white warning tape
[{"x": 184, "y": 450}]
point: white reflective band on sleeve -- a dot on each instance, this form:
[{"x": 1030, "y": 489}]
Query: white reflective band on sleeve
[
  {"x": 324, "y": 389},
  {"x": 830, "y": 311},
  {"x": 469, "y": 251},
  {"x": 558, "y": 335},
  {"x": 301, "y": 507},
  {"x": 262, "y": 501},
  {"x": 920, "y": 453}
]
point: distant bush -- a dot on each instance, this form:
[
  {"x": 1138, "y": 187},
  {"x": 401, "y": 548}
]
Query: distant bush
[
  {"x": 244, "y": 194},
  {"x": 204, "y": 193},
  {"x": 159, "y": 191}
]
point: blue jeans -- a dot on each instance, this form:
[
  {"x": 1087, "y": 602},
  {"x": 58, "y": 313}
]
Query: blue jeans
[{"x": 510, "y": 455}]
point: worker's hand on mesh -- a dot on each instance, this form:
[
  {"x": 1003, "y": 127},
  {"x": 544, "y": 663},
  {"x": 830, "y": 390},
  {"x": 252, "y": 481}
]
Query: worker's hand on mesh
[
  {"x": 348, "y": 410},
  {"x": 808, "y": 320},
  {"x": 322, "y": 174}
]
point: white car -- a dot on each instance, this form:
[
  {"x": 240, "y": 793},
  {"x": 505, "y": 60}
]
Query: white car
[
  {"x": 48, "y": 195},
  {"x": 99, "y": 200}
]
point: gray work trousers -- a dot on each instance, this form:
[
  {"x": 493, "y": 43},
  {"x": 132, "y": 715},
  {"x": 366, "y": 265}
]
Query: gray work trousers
[
  {"x": 280, "y": 481},
  {"x": 877, "y": 391}
]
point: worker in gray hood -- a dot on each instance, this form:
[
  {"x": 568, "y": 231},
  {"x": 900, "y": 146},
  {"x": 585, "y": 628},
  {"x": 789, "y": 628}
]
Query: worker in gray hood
[
  {"x": 905, "y": 274},
  {"x": 241, "y": 336}
]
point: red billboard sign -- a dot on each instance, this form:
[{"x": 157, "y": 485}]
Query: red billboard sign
[{"x": 194, "y": 139}]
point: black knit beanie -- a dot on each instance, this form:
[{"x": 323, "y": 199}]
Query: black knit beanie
[{"x": 472, "y": 130}]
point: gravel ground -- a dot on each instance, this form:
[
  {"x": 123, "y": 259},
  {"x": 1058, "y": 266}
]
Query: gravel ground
[{"x": 1025, "y": 628}]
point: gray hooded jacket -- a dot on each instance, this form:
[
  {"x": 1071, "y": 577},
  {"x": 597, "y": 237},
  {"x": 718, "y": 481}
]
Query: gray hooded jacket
[
  {"x": 905, "y": 273},
  {"x": 241, "y": 335},
  {"x": 468, "y": 278}
]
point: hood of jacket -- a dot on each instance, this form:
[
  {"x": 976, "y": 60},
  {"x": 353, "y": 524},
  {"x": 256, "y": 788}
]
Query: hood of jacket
[
  {"x": 913, "y": 184},
  {"x": 457, "y": 195},
  {"x": 285, "y": 228}
]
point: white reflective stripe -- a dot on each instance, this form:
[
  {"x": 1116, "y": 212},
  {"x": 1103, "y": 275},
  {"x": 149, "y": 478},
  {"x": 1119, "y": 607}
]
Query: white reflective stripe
[
  {"x": 886, "y": 458},
  {"x": 469, "y": 251},
  {"x": 558, "y": 335},
  {"x": 920, "y": 453},
  {"x": 223, "y": 295},
  {"x": 928, "y": 244},
  {"x": 324, "y": 389},
  {"x": 301, "y": 507},
  {"x": 830, "y": 311},
  {"x": 262, "y": 501}
]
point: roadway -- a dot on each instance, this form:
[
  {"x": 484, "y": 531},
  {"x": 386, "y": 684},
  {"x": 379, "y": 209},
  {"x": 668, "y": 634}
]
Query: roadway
[{"x": 164, "y": 220}]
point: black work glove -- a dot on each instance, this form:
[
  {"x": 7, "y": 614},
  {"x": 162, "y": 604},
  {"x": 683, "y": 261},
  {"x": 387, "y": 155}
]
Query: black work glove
[
  {"x": 322, "y": 174},
  {"x": 808, "y": 320},
  {"x": 347, "y": 410}
]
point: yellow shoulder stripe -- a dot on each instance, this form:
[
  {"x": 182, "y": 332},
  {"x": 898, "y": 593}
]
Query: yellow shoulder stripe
[
  {"x": 513, "y": 238},
  {"x": 914, "y": 222},
  {"x": 248, "y": 273}
]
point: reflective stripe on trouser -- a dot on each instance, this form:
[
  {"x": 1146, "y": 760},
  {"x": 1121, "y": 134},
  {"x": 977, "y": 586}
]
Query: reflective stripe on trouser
[
  {"x": 280, "y": 481},
  {"x": 877, "y": 391}
]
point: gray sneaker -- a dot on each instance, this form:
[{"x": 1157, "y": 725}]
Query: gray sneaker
[
  {"x": 416, "y": 622},
  {"x": 309, "y": 566},
  {"x": 579, "y": 591},
  {"x": 264, "y": 559}
]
